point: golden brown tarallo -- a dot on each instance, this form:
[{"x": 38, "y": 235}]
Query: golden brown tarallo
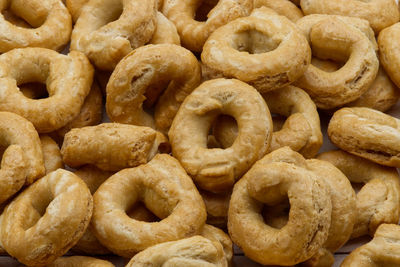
[
  {"x": 389, "y": 51},
  {"x": 282, "y": 7},
  {"x": 80, "y": 261}
]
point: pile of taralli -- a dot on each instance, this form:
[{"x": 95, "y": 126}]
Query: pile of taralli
[{"x": 214, "y": 137}]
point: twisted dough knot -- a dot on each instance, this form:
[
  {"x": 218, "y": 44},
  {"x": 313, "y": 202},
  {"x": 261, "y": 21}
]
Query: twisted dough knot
[{"x": 321, "y": 212}]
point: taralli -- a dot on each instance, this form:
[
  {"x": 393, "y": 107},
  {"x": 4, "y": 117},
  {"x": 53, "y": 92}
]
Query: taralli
[
  {"x": 214, "y": 234},
  {"x": 51, "y": 154},
  {"x": 264, "y": 50},
  {"x": 217, "y": 207},
  {"x": 301, "y": 130},
  {"x": 143, "y": 75},
  {"x": 47, "y": 219},
  {"x": 67, "y": 78},
  {"x": 389, "y": 51},
  {"x": 166, "y": 190},
  {"x": 75, "y": 7},
  {"x": 195, "y": 30},
  {"x": 279, "y": 175},
  {"x": 378, "y": 201},
  {"x": 23, "y": 158},
  {"x": 193, "y": 251},
  {"x": 166, "y": 32},
  {"x": 80, "y": 261},
  {"x": 282, "y": 7},
  {"x": 93, "y": 178},
  {"x": 382, "y": 250},
  {"x": 50, "y": 19},
  {"x": 216, "y": 170},
  {"x": 111, "y": 146},
  {"x": 367, "y": 133},
  {"x": 108, "y": 30},
  {"x": 379, "y": 13},
  {"x": 338, "y": 38}
]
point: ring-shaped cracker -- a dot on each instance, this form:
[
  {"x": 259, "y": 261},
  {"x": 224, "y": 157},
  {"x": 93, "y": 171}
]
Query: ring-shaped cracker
[
  {"x": 67, "y": 78},
  {"x": 80, "y": 261},
  {"x": 108, "y": 30},
  {"x": 47, "y": 219},
  {"x": 301, "y": 130},
  {"x": 75, "y": 7},
  {"x": 195, "y": 33},
  {"x": 279, "y": 174},
  {"x": 389, "y": 51},
  {"x": 367, "y": 133},
  {"x": 166, "y": 190},
  {"x": 50, "y": 17},
  {"x": 264, "y": 50},
  {"x": 143, "y": 75},
  {"x": 282, "y": 7},
  {"x": 379, "y": 13},
  {"x": 217, "y": 169},
  {"x": 378, "y": 201},
  {"x": 341, "y": 39},
  {"x": 51, "y": 154},
  {"x": 217, "y": 207}
]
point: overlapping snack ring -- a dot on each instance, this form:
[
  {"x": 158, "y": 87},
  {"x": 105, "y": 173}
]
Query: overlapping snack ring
[
  {"x": 108, "y": 30},
  {"x": 67, "y": 78},
  {"x": 378, "y": 201},
  {"x": 280, "y": 174},
  {"x": 217, "y": 169},
  {"x": 301, "y": 131},
  {"x": 166, "y": 32},
  {"x": 217, "y": 207},
  {"x": 389, "y": 51},
  {"x": 51, "y": 154},
  {"x": 46, "y": 219},
  {"x": 282, "y": 7},
  {"x": 264, "y": 50},
  {"x": 111, "y": 146},
  {"x": 80, "y": 261},
  {"x": 379, "y": 13},
  {"x": 166, "y": 190},
  {"x": 188, "y": 18},
  {"x": 382, "y": 250},
  {"x": 75, "y": 7},
  {"x": 341, "y": 39},
  {"x": 142, "y": 76},
  {"x": 49, "y": 24},
  {"x": 367, "y": 133}
]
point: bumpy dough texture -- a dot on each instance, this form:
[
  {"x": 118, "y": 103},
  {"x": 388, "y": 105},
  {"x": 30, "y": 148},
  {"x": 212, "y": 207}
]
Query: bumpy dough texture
[
  {"x": 378, "y": 201},
  {"x": 49, "y": 25},
  {"x": 51, "y": 154},
  {"x": 379, "y": 13},
  {"x": 282, "y": 7},
  {"x": 80, "y": 261},
  {"x": 264, "y": 50},
  {"x": 193, "y": 251},
  {"x": 166, "y": 190},
  {"x": 47, "y": 219},
  {"x": 389, "y": 51},
  {"x": 341, "y": 39},
  {"x": 367, "y": 133},
  {"x": 108, "y": 30},
  {"x": 67, "y": 78},
  {"x": 143, "y": 75},
  {"x": 217, "y": 169},
  {"x": 383, "y": 250},
  {"x": 194, "y": 33},
  {"x": 301, "y": 130},
  {"x": 217, "y": 207},
  {"x": 111, "y": 146},
  {"x": 279, "y": 175}
]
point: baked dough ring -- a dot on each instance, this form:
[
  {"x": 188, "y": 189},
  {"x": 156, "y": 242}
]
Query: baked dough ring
[
  {"x": 80, "y": 261},
  {"x": 108, "y": 30},
  {"x": 50, "y": 18},
  {"x": 194, "y": 33},
  {"x": 389, "y": 51},
  {"x": 193, "y": 251},
  {"x": 68, "y": 80},
  {"x": 47, "y": 219},
  {"x": 279, "y": 174},
  {"x": 264, "y": 50},
  {"x": 216, "y": 170},
  {"x": 51, "y": 154},
  {"x": 379, "y": 13},
  {"x": 166, "y": 190},
  {"x": 341, "y": 39},
  {"x": 382, "y": 250},
  {"x": 217, "y": 207},
  {"x": 166, "y": 32},
  {"x": 214, "y": 234},
  {"x": 301, "y": 131},
  {"x": 282, "y": 7},
  {"x": 75, "y": 7},
  {"x": 111, "y": 146},
  {"x": 378, "y": 201},
  {"x": 142, "y": 75},
  {"x": 367, "y": 133}
]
